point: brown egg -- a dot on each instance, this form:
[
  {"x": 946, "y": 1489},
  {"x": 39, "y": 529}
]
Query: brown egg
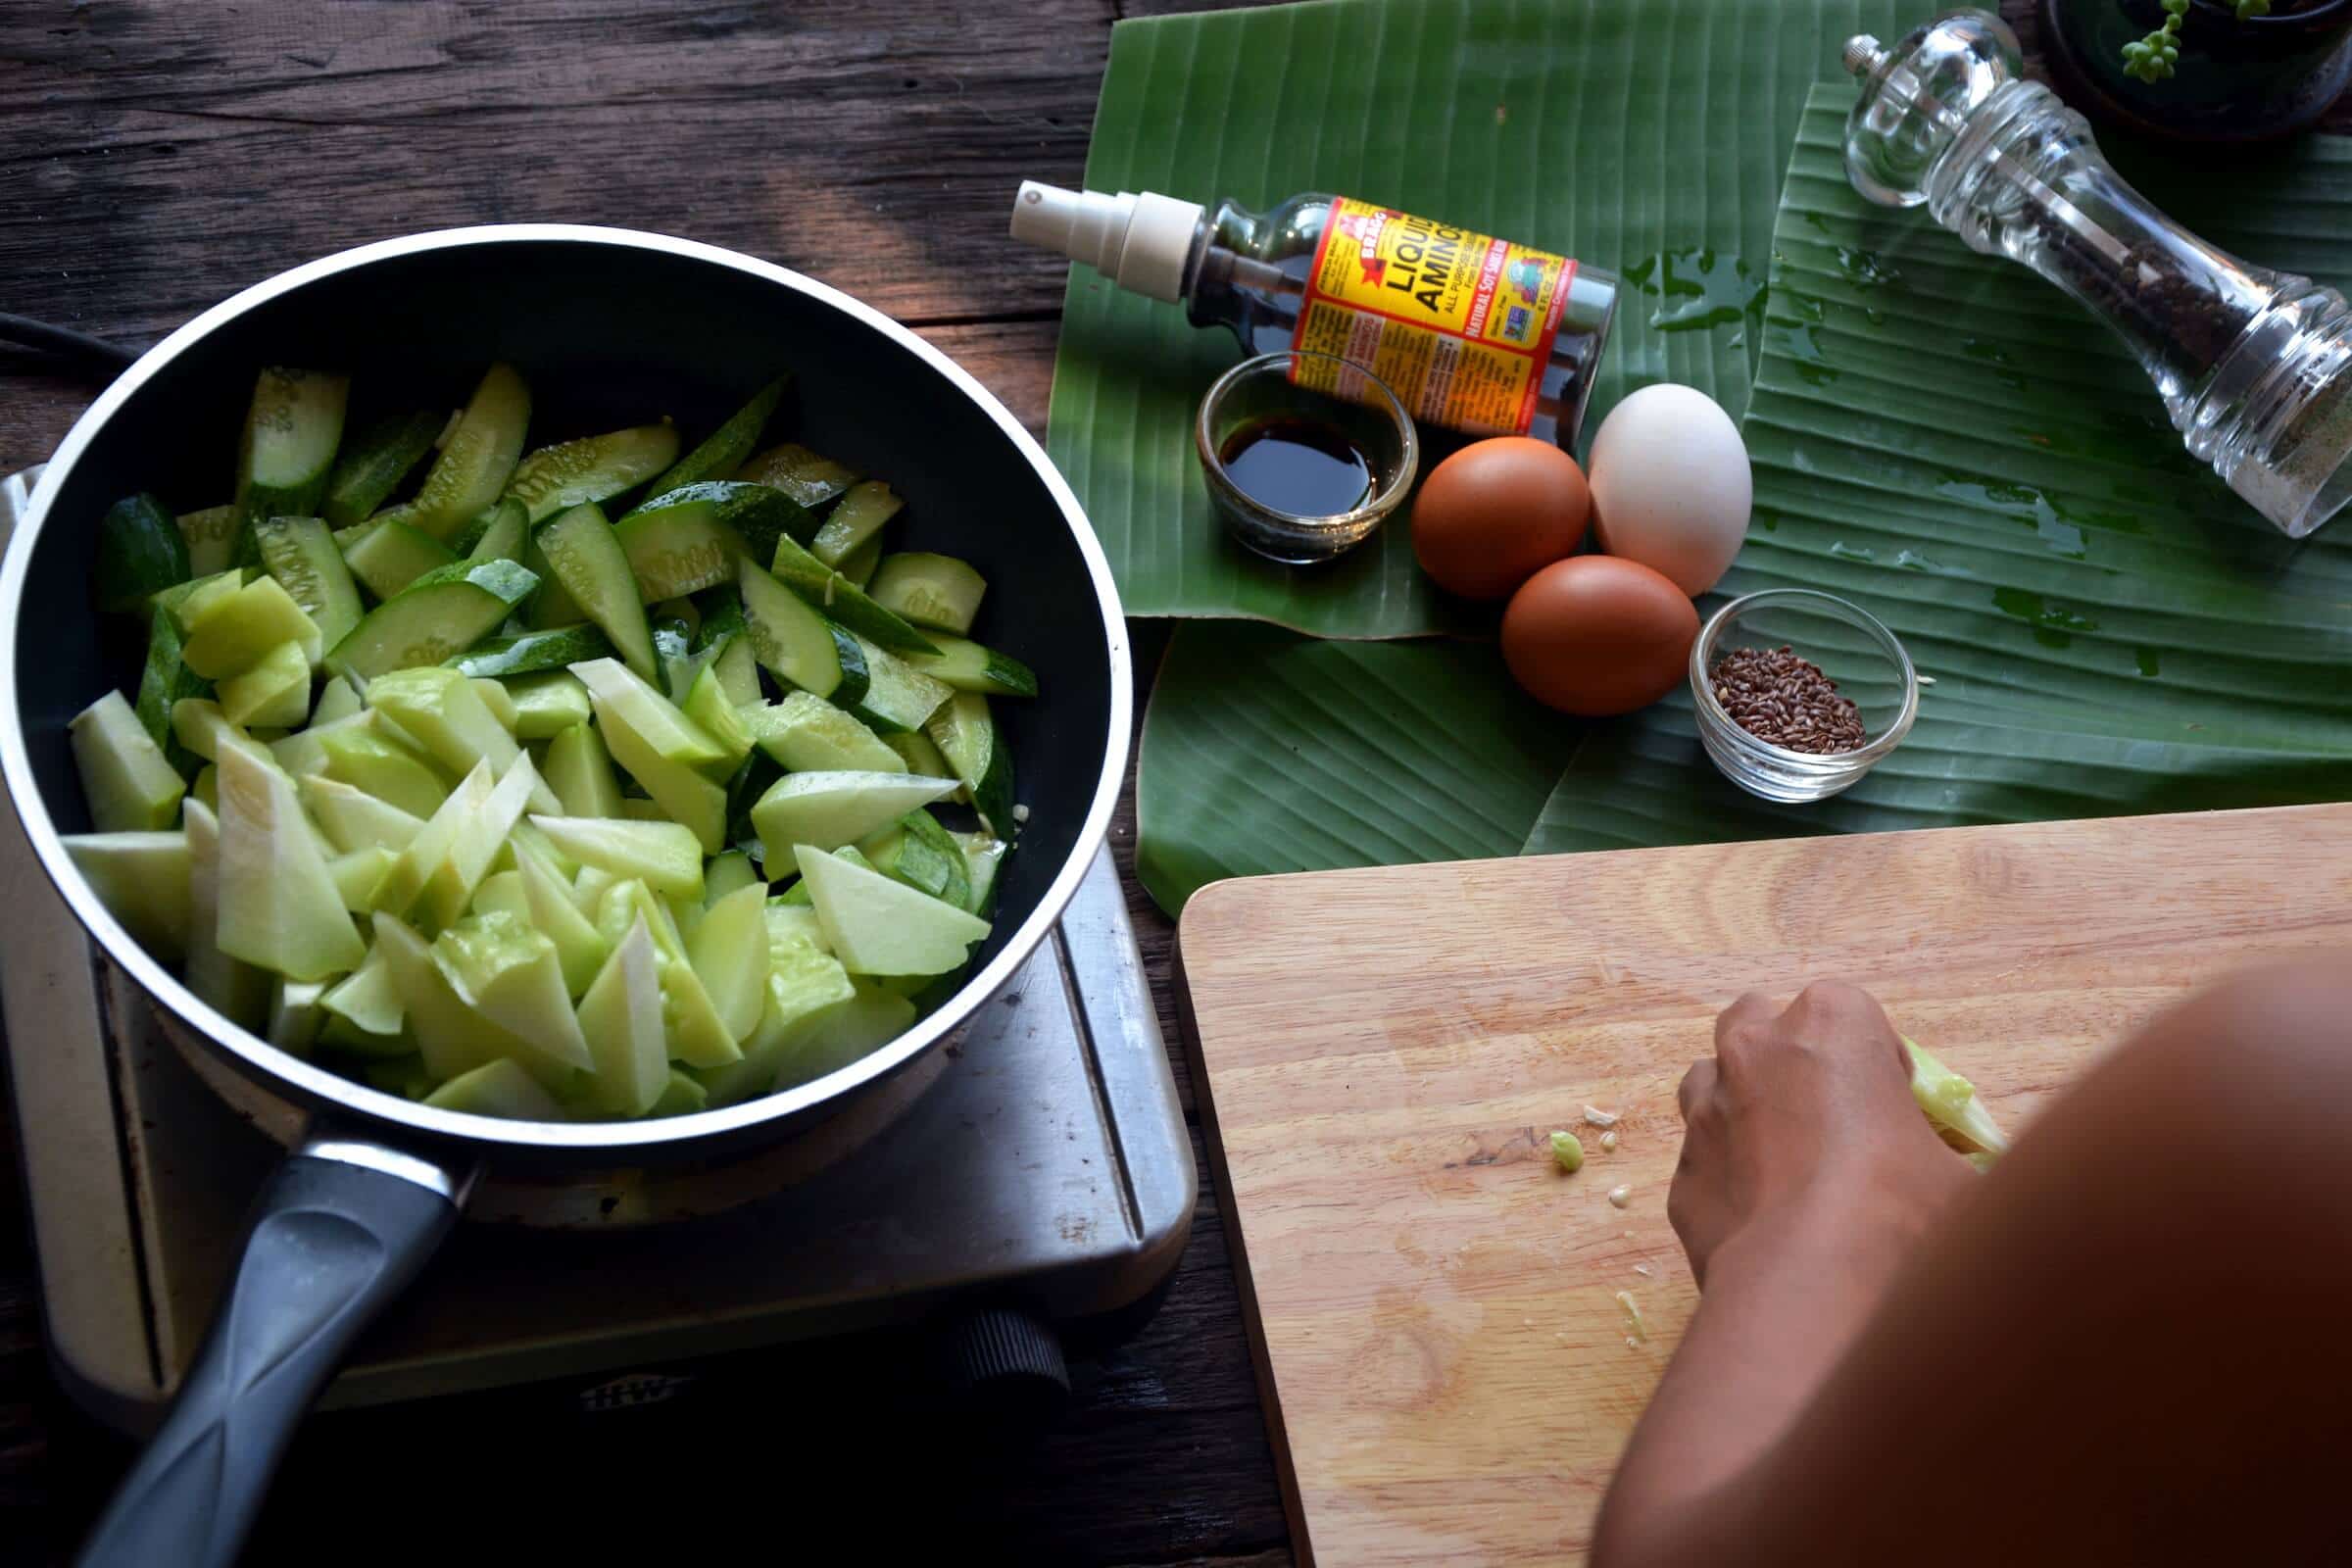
[
  {"x": 1593, "y": 635},
  {"x": 1498, "y": 511}
]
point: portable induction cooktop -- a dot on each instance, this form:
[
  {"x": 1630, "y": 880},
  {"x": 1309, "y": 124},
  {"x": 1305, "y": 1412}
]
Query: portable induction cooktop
[{"x": 1040, "y": 1175}]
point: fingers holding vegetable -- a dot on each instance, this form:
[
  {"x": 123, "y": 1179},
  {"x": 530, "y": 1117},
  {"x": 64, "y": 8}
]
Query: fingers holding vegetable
[{"x": 1804, "y": 1113}]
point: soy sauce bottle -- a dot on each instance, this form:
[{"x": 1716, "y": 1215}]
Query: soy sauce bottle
[{"x": 1471, "y": 332}]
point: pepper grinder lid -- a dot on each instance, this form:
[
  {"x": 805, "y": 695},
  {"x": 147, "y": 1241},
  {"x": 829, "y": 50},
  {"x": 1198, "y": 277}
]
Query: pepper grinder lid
[{"x": 1917, "y": 95}]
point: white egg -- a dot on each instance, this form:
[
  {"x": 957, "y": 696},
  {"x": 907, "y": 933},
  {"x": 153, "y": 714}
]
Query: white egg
[{"x": 1671, "y": 487}]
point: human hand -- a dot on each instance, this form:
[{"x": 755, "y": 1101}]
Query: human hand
[{"x": 1805, "y": 1117}]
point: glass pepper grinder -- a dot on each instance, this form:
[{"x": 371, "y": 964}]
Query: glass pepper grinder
[{"x": 2255, "y": 366}]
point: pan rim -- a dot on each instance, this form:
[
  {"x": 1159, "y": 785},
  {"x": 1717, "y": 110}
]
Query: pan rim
[{"x": 313, "y": 1085}]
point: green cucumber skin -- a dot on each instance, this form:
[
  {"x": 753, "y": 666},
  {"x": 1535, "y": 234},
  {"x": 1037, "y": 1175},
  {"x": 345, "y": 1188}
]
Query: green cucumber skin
[
  {"x": 585, "y": 555},
  {"x": 862, "y": 514},
  {"x": 968, "y": 666},
  {"x": 967, "y": 735},
  {"x": 721, "y": 610},
  {"x": 595, "y": 467},
  {"x": 798, "y": 644},
  {"x": 505, "y": 528},
  {"x": 390, "y": 556},
  {"x": 301, "y": 554},
  {"x": 292, "y": 428},
  {"x": 140, "y": 553},
  {"x": 723, "y": 449},
  {"x": 443, "y": 613},
  {"x": 374, "y": 462},
  {"x": 534, "y": 651},
  {"x": 826, "y": 591},
  {"x": 759, "y": 514},
  {"x": 165, "y": 682},
  {"x": 677, "y": 549}
]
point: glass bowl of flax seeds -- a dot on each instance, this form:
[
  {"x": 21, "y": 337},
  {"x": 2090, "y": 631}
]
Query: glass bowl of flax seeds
[{"x": 1799, "y": 693}]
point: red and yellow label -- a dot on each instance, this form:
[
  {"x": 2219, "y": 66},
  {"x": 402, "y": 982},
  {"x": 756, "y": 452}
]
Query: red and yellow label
[{"x": 1459, "y": 325}]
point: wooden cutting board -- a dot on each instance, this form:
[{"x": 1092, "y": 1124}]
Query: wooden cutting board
[{"x": 1448, "y": 1360}]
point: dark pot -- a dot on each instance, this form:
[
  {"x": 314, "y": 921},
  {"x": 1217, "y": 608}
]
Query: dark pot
[{"x": 2236, "y": 80}]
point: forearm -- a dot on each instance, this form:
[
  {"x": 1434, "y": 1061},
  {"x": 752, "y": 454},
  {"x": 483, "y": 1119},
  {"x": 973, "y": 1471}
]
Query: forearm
[{"x": 1782, "y": 1303}]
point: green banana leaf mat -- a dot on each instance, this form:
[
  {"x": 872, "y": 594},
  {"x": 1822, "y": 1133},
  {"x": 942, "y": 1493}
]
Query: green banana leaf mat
[{"x": 1936, "y": 435}]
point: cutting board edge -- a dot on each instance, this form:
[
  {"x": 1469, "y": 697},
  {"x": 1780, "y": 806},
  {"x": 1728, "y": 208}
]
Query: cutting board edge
[{"x": 1261, "y": 1354}]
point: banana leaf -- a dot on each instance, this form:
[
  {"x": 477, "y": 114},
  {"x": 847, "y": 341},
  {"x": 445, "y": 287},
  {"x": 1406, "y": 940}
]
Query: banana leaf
[
  {"x": 1265, "y": 751},
  {"x": 1646, "y": 138},
  {"x": 1953, "y": 444}
]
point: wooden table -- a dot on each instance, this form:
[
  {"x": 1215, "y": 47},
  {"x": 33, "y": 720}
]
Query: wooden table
[{"x": 155, "y": 159}]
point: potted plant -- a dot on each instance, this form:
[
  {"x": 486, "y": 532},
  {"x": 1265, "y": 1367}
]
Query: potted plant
[{"x": 2202, "y": 70}]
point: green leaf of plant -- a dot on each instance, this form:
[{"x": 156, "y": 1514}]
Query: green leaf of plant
[
  {"x": 1959, "y": 448},
  {"x": 1264, "y": 750},
  {"x": 1647, "y": 139}
]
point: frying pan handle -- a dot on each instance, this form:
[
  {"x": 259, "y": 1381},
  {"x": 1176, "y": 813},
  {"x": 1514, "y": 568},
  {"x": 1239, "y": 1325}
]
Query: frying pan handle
[{"x": 341, "y": 1228}]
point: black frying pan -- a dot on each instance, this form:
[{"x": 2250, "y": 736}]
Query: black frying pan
[{"x": 606, "y": 326}]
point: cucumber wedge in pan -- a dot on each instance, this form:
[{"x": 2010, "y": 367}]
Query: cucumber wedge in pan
[
  {"x": 141, "y": 551},
  {"x": 758, "y": 514},
  {"x": 497, "y": 534},
  {"x": 938, "y": 591},
  {"x": 800, "y": 473},
  {"x": 844, "y": 601},
  {"x": 588, "y": 562},
  {"x": 725, "y": 448},
  {"x": 391, "y": 555},
  {"x": 443, "y": 613},
  {"x": 374, "y": 462},
  {"x": 533, "y": 651},
  {"x": 479, "y": 458},
  {"x": 969, "y": 667},
  {"x": 292, "y": 428},
  {"x": 677, "y": 548},
  {"x": 858, "y": 519},
  {"x": 301, "y": 554},
  {"x": 595, "y": 467}
]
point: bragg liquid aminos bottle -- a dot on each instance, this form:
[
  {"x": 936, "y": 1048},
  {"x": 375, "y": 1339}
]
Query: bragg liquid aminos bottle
[{"x": 1471, "y": 332}]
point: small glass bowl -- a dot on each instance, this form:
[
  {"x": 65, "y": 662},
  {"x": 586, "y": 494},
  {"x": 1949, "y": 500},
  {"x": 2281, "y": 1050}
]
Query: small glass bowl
[
  {"x": 1290, "y": 384},
  {"x": 1852, "y": 648}
]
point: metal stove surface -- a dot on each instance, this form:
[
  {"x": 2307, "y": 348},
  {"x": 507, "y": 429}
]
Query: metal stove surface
[{"x": 1048, "y": 1165}]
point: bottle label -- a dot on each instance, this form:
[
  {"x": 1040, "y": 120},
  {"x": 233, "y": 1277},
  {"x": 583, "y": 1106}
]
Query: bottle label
[{"x": 1461, "y": 326}]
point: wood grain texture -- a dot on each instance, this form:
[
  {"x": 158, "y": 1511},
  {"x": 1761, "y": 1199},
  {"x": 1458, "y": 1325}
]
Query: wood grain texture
[{"x": 1381, "y": 1054}]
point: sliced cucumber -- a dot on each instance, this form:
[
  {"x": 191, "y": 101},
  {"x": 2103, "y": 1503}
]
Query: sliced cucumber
[
  {"x": 708, "y": 705},
  {"x": 905, "y": 856},
  {"x": 500, "y": 1088},
  {"x": 799, "y": 473},
  {"x": 738, "y": 671},
  {"x": 757, "y": 514},
  {"x": 494, "y": 697},
  {"x": 800, "y": 645},
  {"x": 671, "y": 640},
  {"x": 860, "y": 563},
  {"x": 275, "y": 692},
  {"x": 955, "y": 881},
  {"x": 859, "y": 518},
  {"x": 720, "y": 613},
  {"x": 622, "y": 1017},
  {"x": 142, "y": 879},
  {"x": 237, "y": 989},
  {"x": 664, "y": 856},
  {"x": 497, "y": 534},
  {"x": 666, "y": 752},
  {"x": 534, "y": 651},
  {"x": 375, "y": 462},
  {"x": 678, "y": 548},
  {"x": 727, "y": 873},
  {"x": 368, "y": 757},
  {"x": 164, "y": 681},
  {"x": 844, "y": 601},
  {"x": 929, "y": 590},
  {"x": 983, "y": 859},
  {"x": 509, "y": 970},
  {"x": 876, "y": 926},
  {"x": 806, "y": 733},
  {"x": 587, "y": 559},
  {"x": 292, "y": 428},
  {"x": 579, "y": 769},
  {"x": 212, "y": 538},
  {"x": 279, "y": 908},
  {"x": 828, "y": 810},
  {"x": 965, "y": 734},
  {"x": 921, "y": 755},
  {"x": 336, "y": 699},
  {"x": 725, "y": 448},
  {"x": 728, "y": 948},
  {"x": 236, "y": 630},
  {"x": 140, "y": 553},
  {"x": 896, "y": 695},
  {"x": 969, "y": 667},
  {"x": 391, "y": 555},
  {"x": 301, "y": 554},
  {"x": 353, "y": 819},
  {"x": 552, "y": 605},
  {"x": 478, "y": 457},
  {"x": 447, "y": 609},
  {"x": 190, "y": 601},
  {"x": 595, "y": 467},
  {"x": 548, "y": 703}
]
